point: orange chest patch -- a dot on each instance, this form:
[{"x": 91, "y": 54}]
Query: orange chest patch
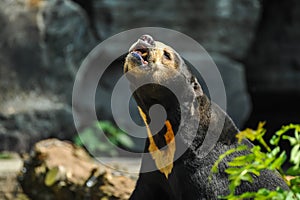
[{"x": 163, "y": 158}]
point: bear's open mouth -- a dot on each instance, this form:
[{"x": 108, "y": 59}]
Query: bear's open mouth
[
  {"x": 141, "y": 54},
  {"x": 141, "y": 49}
]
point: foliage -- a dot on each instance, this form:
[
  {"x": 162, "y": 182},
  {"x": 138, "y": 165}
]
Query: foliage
[
  {"x": 5, "y": 156},
  {"x": 93, "y": 139},
  {"x": 241, "y": 168}
]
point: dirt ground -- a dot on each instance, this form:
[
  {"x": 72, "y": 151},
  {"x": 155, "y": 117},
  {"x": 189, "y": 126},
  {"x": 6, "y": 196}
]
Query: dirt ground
[{"x": 11, "y": 165}]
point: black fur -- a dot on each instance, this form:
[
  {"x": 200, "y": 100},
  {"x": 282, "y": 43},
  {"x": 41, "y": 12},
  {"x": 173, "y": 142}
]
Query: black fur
[{"x": 189, "y": 177}]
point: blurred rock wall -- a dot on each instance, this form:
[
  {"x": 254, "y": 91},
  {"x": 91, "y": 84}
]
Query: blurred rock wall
[
  {"x": 225, "y": 28},
  {"x": 273, "y": 65},
  {"x": 273, "y": 62},
  {"x": 43, "y": 42}
]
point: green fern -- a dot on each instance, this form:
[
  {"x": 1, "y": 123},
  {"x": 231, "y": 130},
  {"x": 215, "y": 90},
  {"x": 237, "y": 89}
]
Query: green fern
[
  {"x": 93, "y": 139},
  {"x": 241, "y": 168}
]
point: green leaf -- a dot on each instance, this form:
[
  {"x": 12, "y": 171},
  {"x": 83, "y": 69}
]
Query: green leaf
[
  {"x": 53, "y": 175},
  {"x": 231, "y": 170},
  {"x": 241, "y": 160},
  {"x": 94, "y": 141},
  {"x": 247, "y": 177},
  {"x": 279, "y": 161},
  {"x": 247, "y": 195},
  {"x": 214, "y": 168},
  {"x": 5, "y": 156},
  {"x": 292, "y": 140},
  {"x": 290, "y": 196},
  {"x": 106, "y": 126},
  {"x": 248, "y": 133},
  {"x": 253, "y": 134},
  {"x": 125, "y": 141},
  {"x": 293, "y": 171},
  {"x": 254, "y": 171},
  {"x": 295, "y": 154},
  {"x": 241, "y": 168},
  {"x": 238, "y": 163},
  {"x": 275, "y": 140},
  {"x": 78, "y": 141},
  {"x": 297, "y": 134},
  {"x": 295, "y": 182},
  {"x": 274, "y": 152},
  {"x": 117, "y": 136}
]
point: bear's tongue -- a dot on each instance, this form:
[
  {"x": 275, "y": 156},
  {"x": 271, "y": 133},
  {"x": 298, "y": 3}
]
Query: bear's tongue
[
  {"x": 141, "y": 48},
  {"x": 142, "y": 55}
]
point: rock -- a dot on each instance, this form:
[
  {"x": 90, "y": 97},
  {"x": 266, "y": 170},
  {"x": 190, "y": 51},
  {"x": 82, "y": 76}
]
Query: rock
[
  {"x": 19, "y": 46},
  {"x": 217, "y": 25},
  {"x": 65, "y": 36},
  {"x": 13, "y": 141},
  {"x": 49, "y": 39},
  {"x": 273, "y": 63},
  {"x": 42, "y": 44},
  {"x": 10, "y": 165},
  {"x": 232, "y": 76},
  {"x": 222, "y": 26},
  {"x": 31, "y": 117},
  {"x": 238, "y": 99},
  {"x": 273, "y": 66},
  {"x": 59, "y": 170}
]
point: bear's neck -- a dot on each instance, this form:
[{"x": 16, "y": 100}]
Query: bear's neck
[
  {"x": 173, "y": 116},
  {"x": 192, "y": 118}
]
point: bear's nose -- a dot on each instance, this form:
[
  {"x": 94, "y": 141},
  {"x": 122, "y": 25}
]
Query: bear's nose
[
  {"x": 144, "y": 43},
  {"x": 147, "y": 39}
]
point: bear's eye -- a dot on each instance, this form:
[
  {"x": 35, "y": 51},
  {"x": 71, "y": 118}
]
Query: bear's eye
[{"x": 167, "y": 55}]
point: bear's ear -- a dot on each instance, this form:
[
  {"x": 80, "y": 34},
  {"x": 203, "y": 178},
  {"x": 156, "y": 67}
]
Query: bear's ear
[{"x": 196, "y": 86}]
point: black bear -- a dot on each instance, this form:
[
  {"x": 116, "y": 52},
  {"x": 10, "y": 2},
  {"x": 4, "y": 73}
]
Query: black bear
[{"x": 188, "y": 111}]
